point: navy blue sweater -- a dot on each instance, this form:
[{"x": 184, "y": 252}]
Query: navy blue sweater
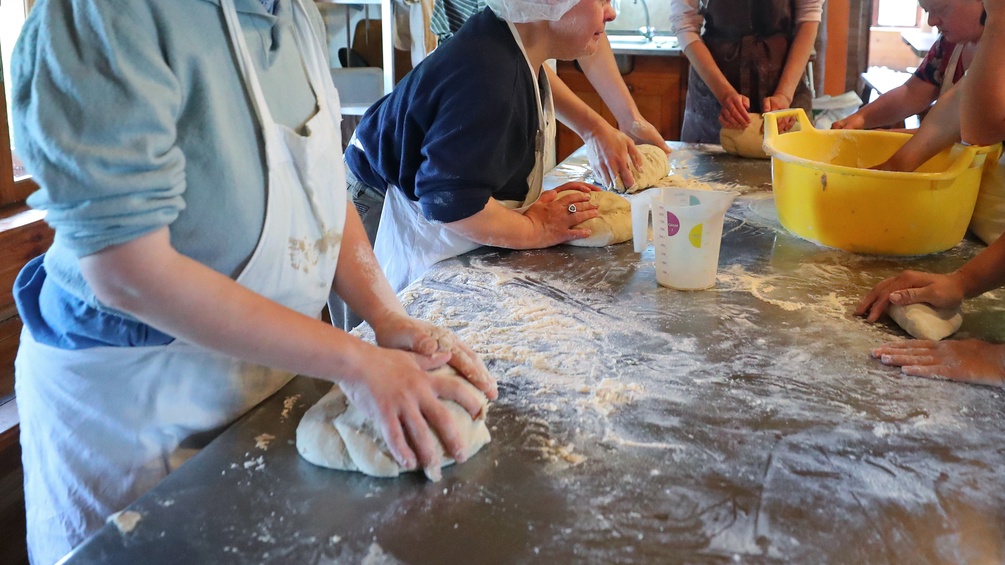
[{"x": 458, "y": 129}]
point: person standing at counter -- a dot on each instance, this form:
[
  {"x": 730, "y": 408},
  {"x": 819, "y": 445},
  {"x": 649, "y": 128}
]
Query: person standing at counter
[
  {"x": 960, "y": 27},
  {"x": 457, "y": 150},
  {"x": 608, "y": 149},
  {"x": 746, "y": 56},
  {"x": 982, "y": 122},
  {"x": 183, "y": 154}
]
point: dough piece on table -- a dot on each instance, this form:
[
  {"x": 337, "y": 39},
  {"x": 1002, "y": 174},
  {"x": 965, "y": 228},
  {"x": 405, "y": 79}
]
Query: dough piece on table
[
  {"x": 655, "y": 166},
  {"x": 924, "y": 322},
  {"x": 334, "y": 433},
  {"x": 613, "y": 225},
  {"x": 745, "y": 142}
]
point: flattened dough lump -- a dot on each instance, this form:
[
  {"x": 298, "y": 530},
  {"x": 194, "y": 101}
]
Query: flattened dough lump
[
  {"x": 335, "y": 434},
  {"x": 924, "y": 322},
  {"x": 745, "y": 142},
  {"x": 613, "y": 225},
  {"x": 655, "y": 166}
]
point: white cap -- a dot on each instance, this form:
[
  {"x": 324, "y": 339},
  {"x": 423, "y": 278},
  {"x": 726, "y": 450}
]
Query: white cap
[{"x": 524, "y": 11}]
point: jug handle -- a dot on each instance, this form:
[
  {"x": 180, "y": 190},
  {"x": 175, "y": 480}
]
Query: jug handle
[
  {"x": 642, "y": 204},
  {"x": 771, "y": 122}
]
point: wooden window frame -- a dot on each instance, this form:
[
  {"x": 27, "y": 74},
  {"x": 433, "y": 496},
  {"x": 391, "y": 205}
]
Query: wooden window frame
[{"x": 12, "y": 191}]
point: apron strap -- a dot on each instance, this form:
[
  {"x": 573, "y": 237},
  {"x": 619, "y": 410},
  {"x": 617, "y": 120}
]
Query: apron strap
[
  {"x": 949, "y": 77},
  {"x": 245, "y": 63}
]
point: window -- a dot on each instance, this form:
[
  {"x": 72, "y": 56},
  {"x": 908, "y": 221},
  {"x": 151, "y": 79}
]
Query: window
[
  {"x": 15, "y": 184},
  {"x": 23, "y": 235},
  {"x": 896, "y": 13}
]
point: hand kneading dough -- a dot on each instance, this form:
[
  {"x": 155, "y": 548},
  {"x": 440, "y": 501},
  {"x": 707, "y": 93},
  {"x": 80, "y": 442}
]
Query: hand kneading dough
[
  {"x": 924, "y": 322},
  {"x": 335, "y": 434},
  {"x": 745, "y": 142},
  {"x": 655, "y": 166},
  {"x": 613, "y": 225}
]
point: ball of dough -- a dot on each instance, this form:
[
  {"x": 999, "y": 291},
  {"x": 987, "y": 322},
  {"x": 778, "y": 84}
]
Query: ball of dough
[
  {"x": 613, "y": 225},
  {"x": 745, "y": 142},
  {"x": 335, "y": 434},
  {"x": 655, "y": 166},
  {"x": 924, "y": 322}
]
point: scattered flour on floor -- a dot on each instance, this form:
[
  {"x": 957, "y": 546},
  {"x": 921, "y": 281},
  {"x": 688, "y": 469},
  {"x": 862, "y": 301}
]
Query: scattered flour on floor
[
  {"x": 262, "y": 441},
  {"x": 125, "y": 520},
  {"x": 377, "y": 556},
  {"x": 288, "y": 403},
  {"x": 255, "y": 464}
]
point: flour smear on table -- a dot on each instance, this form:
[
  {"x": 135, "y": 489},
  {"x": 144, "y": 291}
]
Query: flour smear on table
[{"x": 603, "y": 401}]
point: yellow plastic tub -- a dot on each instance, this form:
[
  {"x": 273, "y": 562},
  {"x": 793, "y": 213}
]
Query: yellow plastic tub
[{"x": 826, "y": 193}]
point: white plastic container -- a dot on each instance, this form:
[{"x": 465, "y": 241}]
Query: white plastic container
[{"x": 687, "y": 229}]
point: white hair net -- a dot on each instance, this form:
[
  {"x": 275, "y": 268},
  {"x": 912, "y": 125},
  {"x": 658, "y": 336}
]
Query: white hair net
[{"x": 524, "y": 11}]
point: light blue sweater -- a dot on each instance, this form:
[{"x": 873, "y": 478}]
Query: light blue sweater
[{"x": 132, "y": 116}]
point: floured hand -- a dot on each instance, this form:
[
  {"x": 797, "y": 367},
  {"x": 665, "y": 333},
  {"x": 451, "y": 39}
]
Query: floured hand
[
  {"x": 409, "y": 334},
  {"x": 970, "y": 360}
]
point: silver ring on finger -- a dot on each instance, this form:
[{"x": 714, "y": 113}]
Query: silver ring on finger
[{"x": 572, "y": 208}]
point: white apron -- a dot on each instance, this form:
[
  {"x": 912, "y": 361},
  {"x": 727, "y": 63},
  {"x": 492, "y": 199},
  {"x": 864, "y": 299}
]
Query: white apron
[
  {"x": 101, "y": 426},
  {"x": 954, "y": 60},
  {"x": 407, "y": 244}
]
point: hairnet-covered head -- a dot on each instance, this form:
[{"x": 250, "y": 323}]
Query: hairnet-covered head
[{"x": 524, "y": 11}]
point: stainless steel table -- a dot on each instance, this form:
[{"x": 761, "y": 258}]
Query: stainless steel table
[{"x": 635, "y": 424}]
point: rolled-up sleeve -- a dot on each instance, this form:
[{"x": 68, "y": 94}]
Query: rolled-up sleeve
[
  {"x": 685, "y": 21},
  {"x": 95, "y": 107},
  {"x": 809, "y": 11}
]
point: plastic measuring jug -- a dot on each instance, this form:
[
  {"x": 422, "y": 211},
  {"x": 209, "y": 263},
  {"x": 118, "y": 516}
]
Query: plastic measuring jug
[{"x": 687, "y": 228}]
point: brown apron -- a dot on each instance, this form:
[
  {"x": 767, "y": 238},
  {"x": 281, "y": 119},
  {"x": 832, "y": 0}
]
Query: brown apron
[{"x": 749, "y": 41}]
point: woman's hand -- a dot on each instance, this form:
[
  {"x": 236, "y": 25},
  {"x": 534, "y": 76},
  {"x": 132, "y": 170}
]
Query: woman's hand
[
  {"x": 396, "y": 390},
  {"x": 778, "y": 102},
  {"x": 554, "y": 219},
  {"x": 912, "y": 287},
  {"x": 641, "y": 131},
  {"x": 610, "y": 153},
  {"x": 734, "y": 111},
  {"x": 403, "y": 332},
  {"x": 854, "y": 121},
  {"x": 545, "y": 223},
  {"x": 968, "y": 360}
]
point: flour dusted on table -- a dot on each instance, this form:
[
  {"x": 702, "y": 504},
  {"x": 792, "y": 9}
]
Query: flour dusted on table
[{"x": 335, "y": 434}]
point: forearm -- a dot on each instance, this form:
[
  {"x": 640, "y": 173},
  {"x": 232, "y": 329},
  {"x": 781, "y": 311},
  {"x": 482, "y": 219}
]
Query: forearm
[
  {"x": 701, "y": 59},
  {"x": 983, "y": 112},
  {"x": 799, "y": 56},
  {"x": 602, "y": 71},
  {"x": 897, "y": 104},
  {"x": 572, "y": 111},
  {"x": 149, "y": 280},
  {"x": 359, "y": 280},
  {"x": 984, "y": 272},
  {"x": 939, "y": 130},
  {"x": 498, "y": 226}
]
